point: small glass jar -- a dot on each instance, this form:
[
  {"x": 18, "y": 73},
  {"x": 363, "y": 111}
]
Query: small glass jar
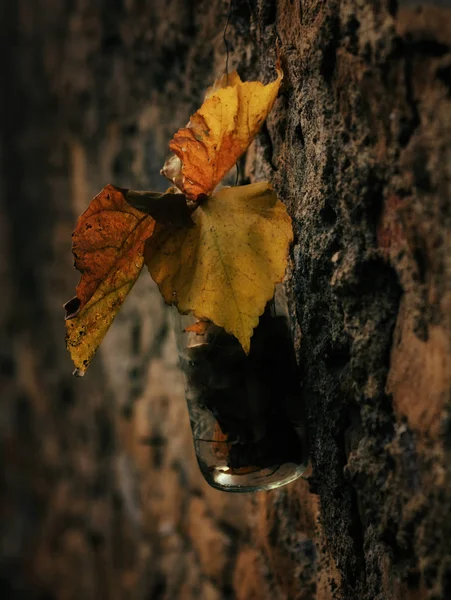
[{"x": 246, "y": 413}]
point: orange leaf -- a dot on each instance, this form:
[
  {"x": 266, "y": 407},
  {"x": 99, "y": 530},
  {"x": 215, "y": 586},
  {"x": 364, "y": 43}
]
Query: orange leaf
[
  {"x": 219, "y": 133},
  {"x": 199, "y": 327},
  {"x": 108, "y": 245}
]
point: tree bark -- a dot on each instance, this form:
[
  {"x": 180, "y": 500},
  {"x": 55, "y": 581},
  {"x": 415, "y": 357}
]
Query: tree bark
[{"x": 102, "y": 497}]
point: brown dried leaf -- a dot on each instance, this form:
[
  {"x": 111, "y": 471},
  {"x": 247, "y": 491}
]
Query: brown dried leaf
[{"x": 108, "y": 244}]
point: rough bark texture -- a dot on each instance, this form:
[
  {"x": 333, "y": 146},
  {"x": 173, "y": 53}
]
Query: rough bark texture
[{"x": 101, "y": 496}]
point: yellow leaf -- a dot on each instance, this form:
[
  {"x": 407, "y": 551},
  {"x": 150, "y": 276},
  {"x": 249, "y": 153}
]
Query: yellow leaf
[
  {"x": 85, "y": 332},
  {"x": 219, "y": 133},
  {"x": 225, "y": 268}
]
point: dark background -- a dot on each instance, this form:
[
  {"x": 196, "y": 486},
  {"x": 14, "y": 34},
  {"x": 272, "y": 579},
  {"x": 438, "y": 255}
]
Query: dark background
[{"x": 101, "y": 496}]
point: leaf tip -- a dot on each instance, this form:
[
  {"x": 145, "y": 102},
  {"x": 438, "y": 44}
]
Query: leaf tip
[{"x": 246, "y": 345}]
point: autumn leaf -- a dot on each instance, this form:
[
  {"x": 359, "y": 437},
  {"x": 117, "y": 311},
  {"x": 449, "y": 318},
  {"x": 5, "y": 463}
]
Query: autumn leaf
[
  {"x": 108, "y": 244},
  {"x": 225, "y": 268},
  {"x": 219, "y": 133},
  {"x": 199, "y": 327}
]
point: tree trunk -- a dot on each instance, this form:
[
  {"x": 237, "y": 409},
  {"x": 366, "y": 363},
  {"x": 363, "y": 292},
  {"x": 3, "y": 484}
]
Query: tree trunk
[{"x": 102, "y": 497}]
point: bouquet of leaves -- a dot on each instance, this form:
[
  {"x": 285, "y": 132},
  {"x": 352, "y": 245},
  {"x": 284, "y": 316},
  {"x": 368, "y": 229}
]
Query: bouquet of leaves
[{"x": 215, "y": 254}]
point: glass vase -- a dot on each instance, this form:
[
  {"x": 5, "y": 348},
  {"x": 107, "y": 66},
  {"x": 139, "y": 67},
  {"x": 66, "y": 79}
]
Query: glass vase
[{"x": 246, "y": 413}]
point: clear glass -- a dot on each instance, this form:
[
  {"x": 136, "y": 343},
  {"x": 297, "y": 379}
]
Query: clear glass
[{"x": 246, "y": 412}]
